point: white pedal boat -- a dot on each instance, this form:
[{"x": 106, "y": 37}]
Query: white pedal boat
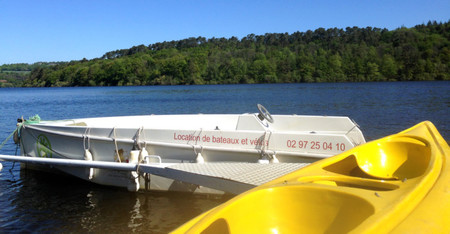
[{"x": 195, "y": 139}]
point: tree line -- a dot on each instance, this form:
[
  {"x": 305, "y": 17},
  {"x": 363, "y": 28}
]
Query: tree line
[
  {"x": 324, "y": 55},
  {"x": 14, "y": 75}
]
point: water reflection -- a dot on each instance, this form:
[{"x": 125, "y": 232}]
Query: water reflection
[{"x": 45, "y": 202}]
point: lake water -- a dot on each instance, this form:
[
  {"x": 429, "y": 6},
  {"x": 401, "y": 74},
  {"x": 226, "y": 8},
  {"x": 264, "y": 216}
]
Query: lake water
[{"x": 39, "y": 202}]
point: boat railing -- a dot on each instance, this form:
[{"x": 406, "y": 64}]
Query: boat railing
[
  {"x": 148, "y": 158},
  {"x": 184, "y": 146}
]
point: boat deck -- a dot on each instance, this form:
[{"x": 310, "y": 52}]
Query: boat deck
[{"x": 232, "y": 177}]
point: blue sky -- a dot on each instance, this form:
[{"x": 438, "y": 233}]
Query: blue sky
[{"x": 33, "y": 31}]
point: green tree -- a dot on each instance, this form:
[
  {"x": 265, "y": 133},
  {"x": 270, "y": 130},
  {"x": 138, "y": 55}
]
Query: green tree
[{"x": 323, "y": 55}]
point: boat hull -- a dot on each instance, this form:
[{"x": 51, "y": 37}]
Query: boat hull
[{"x": 207, "y": 138}]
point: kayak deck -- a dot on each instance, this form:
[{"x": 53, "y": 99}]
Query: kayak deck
[{"x": 396, "y": 184}]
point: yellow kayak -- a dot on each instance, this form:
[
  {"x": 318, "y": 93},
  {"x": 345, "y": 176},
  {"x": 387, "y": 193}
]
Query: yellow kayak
[{"x": 400, "y": 183}]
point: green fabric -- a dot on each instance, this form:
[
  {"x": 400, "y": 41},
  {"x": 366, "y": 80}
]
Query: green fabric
[{"x": 33, "y": 120}]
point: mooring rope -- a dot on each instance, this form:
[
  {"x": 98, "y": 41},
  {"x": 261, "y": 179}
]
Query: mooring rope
[
  {"x": 7, "y": 139},
  {"x": 86, "y": 138},
  {"x": 115, "y": 143},
  {"x": 31, "y": 120},
  {"x": 142, "y": 130}
]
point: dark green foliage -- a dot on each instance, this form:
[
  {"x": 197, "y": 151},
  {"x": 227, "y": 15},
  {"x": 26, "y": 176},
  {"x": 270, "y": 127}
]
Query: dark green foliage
[
  {"x": 324, "y": 55},
  {"x": 14, "y": 75}
]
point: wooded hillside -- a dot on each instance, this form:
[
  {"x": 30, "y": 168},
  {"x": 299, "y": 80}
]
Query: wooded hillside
[{"x": 324, "y": 55}]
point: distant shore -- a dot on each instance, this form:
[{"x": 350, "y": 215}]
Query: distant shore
[{"x": 325, "y": 55}]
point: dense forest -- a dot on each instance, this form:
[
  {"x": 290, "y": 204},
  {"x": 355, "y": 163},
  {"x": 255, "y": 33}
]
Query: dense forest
[
  {"x": 324, "y": 55},
  {"x": 14, "y": 75}
]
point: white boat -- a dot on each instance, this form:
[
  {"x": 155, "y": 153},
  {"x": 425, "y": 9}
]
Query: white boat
[{"x": 194, "y": 139}]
